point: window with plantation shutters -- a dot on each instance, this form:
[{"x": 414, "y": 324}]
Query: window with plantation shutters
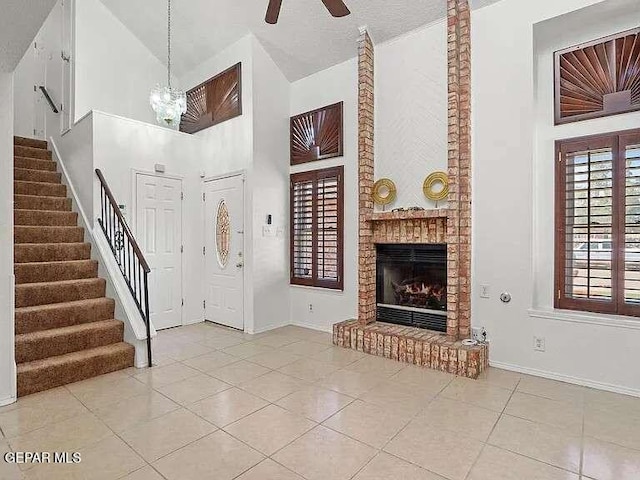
[
  {"x": 317, "y": 228},
  {"x": 598, "y": 224}
]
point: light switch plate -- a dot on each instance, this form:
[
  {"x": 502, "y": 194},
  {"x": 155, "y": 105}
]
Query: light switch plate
[{"x": 268, "y": 231}]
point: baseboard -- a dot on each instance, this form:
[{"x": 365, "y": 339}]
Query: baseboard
[
  {"x": 567, "y": 379},
  {"x": 193, "y": 322},
  {"x": 7, "y": 401},
  {"x": 313, "y": 327},
  {"x": 268, "y": 328}
]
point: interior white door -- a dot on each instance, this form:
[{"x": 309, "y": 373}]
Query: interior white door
[
  {"x": 67, "y": 68},
  {"x": 159, "y": 233},
  {"x": 224, "y": 244},
  {"x": 39, "y": 79}
]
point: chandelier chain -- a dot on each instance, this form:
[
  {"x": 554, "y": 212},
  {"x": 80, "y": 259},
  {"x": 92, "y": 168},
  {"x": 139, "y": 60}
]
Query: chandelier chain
[{"x": 169, "y": 43}]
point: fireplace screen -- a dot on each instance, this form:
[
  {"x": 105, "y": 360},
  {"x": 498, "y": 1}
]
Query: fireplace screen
[{"x": 412, "y": 285}]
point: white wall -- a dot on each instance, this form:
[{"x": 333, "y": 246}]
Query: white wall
[
  {"x": 231, "y": 141},
  {"x": 43, "y": 68},
  {"x": 411, "y": 112},
  {"x": 121, "y": 146},
  {"x": 550, "y": 36},
  {"x": 24, "y": 119},
  {"x": 338, "y": 83},
  {"x": 506, "y": 160},
  {"x": 114, "y": 71},
  {"x": 269, "y": 185},
  {"x": 7, "y": 356},
  {"x": 231, "y": 146}
]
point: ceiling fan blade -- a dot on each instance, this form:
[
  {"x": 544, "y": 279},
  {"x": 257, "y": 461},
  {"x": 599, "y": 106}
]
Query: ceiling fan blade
[
  {"x": 273, "y": 11},
  {"x": 337, "y": 8}
]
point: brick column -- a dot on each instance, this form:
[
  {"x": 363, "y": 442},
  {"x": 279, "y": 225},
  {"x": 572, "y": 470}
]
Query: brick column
[
  {"x": 459, "y": 160},
  {"x": 366, "y": 248}
]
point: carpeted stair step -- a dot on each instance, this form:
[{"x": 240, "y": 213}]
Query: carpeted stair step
[
  {"x": 30, "y": 142},
  {"x": 50, "y": 252},
  {"x": 34, "y": 202},
  {"x": 64, "y": 324},
  {"x": 60, "y": 341},
  {"x": 35, "y": 164},
  {"x": 59, "y": 315},
  {"x": 39, "y": 234},
  {"x": 44, "y": 293},
  {"x": 30, "y": 152},
  {"x": 55, "y": 271},
  {"x": 21, "y": 187},
  {"x": 44, "y": 218},
  {"x": 56, "y": 371},
  {"x": 29, "y": 175}
]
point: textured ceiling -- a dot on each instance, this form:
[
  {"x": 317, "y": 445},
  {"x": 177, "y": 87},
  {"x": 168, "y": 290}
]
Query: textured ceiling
[
  {"x": 20, "y": 20},
  {"x": 305, "y": 40}
]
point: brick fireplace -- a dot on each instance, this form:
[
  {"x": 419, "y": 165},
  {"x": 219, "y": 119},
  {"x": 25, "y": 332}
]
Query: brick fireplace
[{"x": 450, "y": 226}]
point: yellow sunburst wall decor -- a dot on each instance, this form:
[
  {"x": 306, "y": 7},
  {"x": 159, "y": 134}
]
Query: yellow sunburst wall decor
[
  {"x": 431, "y": 183},
  {"x": 384, "y": 192}
]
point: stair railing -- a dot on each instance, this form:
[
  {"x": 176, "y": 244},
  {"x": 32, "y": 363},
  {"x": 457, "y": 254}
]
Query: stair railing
[
  {"x": 47, "y": 97},
  {"x": 133, "y": 266}
]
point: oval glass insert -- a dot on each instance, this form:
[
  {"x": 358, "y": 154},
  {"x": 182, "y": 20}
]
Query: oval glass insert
[{"x": 223, "y": 234}]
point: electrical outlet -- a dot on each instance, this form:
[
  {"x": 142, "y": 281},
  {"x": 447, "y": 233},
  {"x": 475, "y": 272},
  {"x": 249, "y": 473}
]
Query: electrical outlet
[
  {"x": 311, "y": 307},
  {"x": 539, "y": 344},
  {"x": 484, "y": 291}
]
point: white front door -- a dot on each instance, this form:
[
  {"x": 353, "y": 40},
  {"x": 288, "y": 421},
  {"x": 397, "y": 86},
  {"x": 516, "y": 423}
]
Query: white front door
[
  {"x": 159, "y": 233},
  {"x": 224, "y": 251}
]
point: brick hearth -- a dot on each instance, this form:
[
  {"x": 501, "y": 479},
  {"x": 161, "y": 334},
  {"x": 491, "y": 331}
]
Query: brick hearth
[
  {"x": 451, "y": 225},
  {"x": 416, "y": 346}
]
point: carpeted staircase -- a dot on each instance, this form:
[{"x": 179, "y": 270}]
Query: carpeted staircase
[{"x": 64, "y": 324}]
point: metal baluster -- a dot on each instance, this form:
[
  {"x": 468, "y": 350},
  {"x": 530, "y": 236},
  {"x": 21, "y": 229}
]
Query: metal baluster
[
  {"x": 148, "y": 319},
  {"x": 140, "y": 283},
  {"x": 121, "y": 251},
  {"x": 126, "y": 252}
]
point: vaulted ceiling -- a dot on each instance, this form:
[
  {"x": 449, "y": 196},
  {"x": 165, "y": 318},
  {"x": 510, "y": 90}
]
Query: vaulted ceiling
[
  {"x": 19, "y": 22},
  {"x": 305, "y": 40}
]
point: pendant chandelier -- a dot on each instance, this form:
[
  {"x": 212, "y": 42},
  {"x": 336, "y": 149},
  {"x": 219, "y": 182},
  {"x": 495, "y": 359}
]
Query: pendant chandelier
[{"x": 168, "y": 103}]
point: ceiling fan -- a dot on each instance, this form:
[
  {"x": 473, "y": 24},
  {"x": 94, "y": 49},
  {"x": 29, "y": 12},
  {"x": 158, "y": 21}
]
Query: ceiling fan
[{"x": 337, "y": 8}]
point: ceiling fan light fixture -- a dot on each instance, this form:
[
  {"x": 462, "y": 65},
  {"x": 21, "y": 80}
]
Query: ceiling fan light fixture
[
  {"x": 337, "y": 8},
  {"x": 273, "y": 11}
]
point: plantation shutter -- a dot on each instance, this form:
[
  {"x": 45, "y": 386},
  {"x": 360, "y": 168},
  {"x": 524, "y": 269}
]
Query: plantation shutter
[
  {"x": 317, "y": 228},
  {"x": 630, "y": 276},
  {"x": 598, "y": 224},
  {"x": 302, "y": 230}
]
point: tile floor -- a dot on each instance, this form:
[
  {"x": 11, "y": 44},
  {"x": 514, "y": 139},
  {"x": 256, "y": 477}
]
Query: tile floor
[{"x": 287, "y": 405}]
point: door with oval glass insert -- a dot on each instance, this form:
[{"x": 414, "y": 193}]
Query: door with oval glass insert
[{"x": 224, "y": 261}]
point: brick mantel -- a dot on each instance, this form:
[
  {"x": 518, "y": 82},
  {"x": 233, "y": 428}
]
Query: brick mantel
[{"x": 451, "y": 225}]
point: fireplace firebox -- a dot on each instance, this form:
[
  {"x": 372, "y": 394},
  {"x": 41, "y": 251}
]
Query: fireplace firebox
[{"x": 411, "y": 285}]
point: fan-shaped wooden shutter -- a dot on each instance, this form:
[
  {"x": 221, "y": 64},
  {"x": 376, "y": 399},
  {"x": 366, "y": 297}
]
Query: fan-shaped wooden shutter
[
  {"x": 214, "y": 101},
  {"x": 317, "y": 135},
  {"x": 598, "y": 78}
]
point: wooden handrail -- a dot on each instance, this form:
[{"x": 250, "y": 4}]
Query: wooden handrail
[{"x": 127, "y": 231}]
